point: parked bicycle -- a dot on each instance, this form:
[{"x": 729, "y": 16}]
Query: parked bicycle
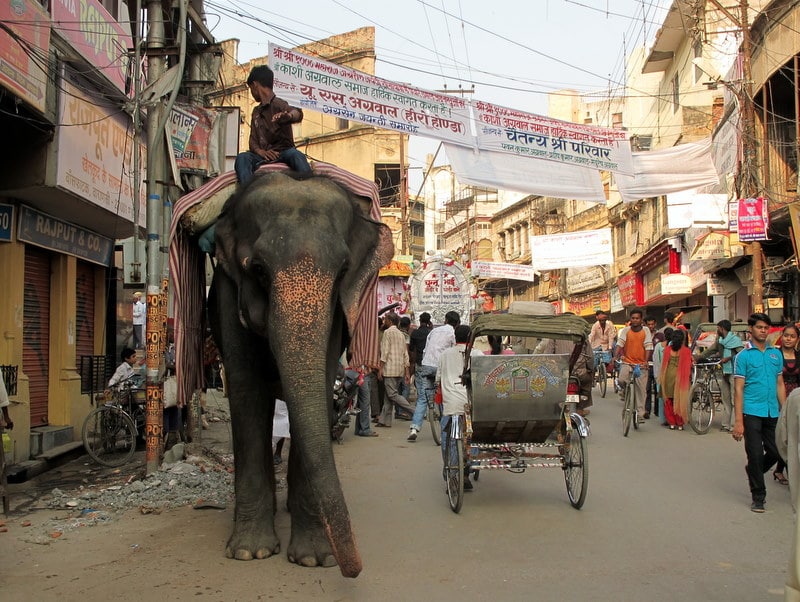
[
  {"x": 630, "y": 392},
  {"x": 601, "y": 359},
  {"x": 705, "y": 397},
  {"x": 110, "y": 431}
]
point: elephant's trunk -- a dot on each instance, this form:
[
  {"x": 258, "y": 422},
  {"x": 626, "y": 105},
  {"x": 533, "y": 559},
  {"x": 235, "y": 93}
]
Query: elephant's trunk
[{"x": 303, "y": 315}]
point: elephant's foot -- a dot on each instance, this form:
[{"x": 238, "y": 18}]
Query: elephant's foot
[
  {"x": 310, "y": 547},
  {"x": 250, "y": 540}
]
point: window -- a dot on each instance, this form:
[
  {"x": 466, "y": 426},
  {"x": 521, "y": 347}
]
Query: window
[
  {"x": 697, "y": 52},
  {"x": 387, "y": 177},
  {"x": 619, "y": 230},
  {"x": 676, "y": 93},
  {"x": 342, "y": 124},
  {"x": 616, "y": 121}
]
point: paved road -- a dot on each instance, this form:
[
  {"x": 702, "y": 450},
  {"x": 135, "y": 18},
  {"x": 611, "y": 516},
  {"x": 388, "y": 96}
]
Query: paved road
[{"x": 666, "y": 518}]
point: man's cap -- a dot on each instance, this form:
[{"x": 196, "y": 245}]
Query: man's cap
[{"x": 137, "y": 294}]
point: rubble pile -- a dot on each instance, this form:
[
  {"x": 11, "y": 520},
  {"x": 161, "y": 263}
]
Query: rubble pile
[{"x": 199, "y": 480}]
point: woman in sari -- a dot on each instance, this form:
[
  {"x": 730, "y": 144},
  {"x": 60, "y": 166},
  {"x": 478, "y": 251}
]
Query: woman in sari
[{"x": 676, "y": 380}]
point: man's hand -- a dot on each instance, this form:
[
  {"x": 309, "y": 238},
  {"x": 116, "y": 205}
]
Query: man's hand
[
  {"x": 282, "y": 117},
  {"x": 738, "y": 431},
  {"x": 269, "y": 155}
]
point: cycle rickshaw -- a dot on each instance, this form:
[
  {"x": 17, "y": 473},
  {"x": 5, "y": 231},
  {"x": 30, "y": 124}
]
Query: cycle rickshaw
[
  {"x": 111, "y": 430},
  {"x": 521, "y": 412}
]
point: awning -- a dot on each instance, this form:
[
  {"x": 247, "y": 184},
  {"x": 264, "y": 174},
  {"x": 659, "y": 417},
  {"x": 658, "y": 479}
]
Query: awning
[{"x": 395, "y": 268}]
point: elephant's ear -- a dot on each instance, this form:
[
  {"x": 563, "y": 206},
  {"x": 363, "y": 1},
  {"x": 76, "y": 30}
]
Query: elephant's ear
[{"x": 371, "y": 248}]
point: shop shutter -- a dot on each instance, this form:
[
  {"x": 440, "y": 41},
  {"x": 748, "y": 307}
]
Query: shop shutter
[
  {"x": 84, "y": 311},
  {"x": 36, "y": 331}
]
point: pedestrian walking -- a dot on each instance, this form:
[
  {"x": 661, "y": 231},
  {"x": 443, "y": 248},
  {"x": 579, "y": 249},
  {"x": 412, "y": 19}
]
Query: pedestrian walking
[
  {"x": 791, "y": 378},
  {"x": 676, "y": 380},
  {"x": 394, "y": 369},
  {"x": 758, "y": 396}
]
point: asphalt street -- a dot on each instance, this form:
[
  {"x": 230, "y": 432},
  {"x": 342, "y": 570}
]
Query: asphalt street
[{"x": 667, "y": 517}]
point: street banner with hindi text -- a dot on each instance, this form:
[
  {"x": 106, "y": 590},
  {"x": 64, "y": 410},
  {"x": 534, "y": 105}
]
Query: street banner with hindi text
[
  {"x": 312, "y": 83},
  {"x": 508, "y": 130}
]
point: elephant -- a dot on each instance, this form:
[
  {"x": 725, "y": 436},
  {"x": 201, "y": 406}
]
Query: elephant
[{"x": 294, "y": 255}]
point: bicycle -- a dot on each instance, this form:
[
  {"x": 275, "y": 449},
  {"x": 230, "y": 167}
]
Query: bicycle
[
  {"x": 601, "y": 358},
  {"x": 453, "y": 456},
  {"x": 110, "y": 431},
  {"x": 705, "y": 396},
  {"x": 629, "y": 413}
]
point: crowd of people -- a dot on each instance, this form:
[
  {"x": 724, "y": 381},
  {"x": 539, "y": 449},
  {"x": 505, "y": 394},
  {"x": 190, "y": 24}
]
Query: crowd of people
[{"x": 756, "y": 378}]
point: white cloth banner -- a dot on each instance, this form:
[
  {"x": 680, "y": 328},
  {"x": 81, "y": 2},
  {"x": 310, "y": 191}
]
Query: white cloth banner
[
  {"x": 572, "y": 249},
  {"x": 523, "y": 174},
  {"x": 332, "y": 89},
  {"x": 529, "y": 135},
  {"x": 669, "y": 170},
  {"x": 511, "y": 271}
]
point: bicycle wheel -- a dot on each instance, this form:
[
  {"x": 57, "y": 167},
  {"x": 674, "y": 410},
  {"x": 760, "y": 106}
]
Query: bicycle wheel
[
  {"x": 435, "y": 419},
  {"x": 634, "y": 410},
  {"x": 576, "y": 467},
  {"x": 701, "y": 408},
  {"x": 627, "y": 410},
  {"x": 454, "y": 472},
  {"x": 109, "y": 436},
  {"x": 602, "y": 378}
]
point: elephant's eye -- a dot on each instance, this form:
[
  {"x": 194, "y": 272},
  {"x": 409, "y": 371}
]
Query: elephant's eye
[{"x": 258, "y": 269}]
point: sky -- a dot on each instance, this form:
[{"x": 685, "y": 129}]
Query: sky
[{"x": 514, "y": 52}]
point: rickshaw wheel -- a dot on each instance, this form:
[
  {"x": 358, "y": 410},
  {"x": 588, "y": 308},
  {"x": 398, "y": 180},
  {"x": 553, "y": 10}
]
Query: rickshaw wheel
[
  {"x": 576, "y": 467},
  {"x": 454, "y": 472}
]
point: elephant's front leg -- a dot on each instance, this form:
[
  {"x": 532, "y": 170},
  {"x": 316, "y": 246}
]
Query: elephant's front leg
[
  {"x": 254, "y": 528},
  {"x": 308, "y": 545}
]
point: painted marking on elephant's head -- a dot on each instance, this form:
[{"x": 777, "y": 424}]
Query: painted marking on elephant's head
[{"x": 303, "y": 291}]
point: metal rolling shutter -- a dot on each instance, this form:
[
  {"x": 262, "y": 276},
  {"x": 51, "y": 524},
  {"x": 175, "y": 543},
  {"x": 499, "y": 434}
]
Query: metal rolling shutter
[
  {"x": 84, "y": 311},
  {"x": 36, "y": 331}
]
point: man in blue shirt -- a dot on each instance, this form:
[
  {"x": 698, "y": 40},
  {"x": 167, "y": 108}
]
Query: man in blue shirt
[
  {"x": 726, "y": 347},
  {"x": 757, "y": 398}
]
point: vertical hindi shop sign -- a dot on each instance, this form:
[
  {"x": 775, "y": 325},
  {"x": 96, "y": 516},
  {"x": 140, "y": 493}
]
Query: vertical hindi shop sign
[
  {"x": 96, "y": 35},
  {"x": 572, "y": 249},
  {"x": 24, "y": 50},
  {"x": 510, "y": 131},
  {"x": 339, "y": 91},
  {"x": 753, "y": 219}
]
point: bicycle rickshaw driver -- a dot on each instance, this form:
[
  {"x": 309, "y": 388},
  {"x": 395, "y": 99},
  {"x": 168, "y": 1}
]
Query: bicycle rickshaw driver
[{"x": 125, "y": 373}]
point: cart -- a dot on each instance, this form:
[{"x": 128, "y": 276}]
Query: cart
[{"x": 520, "y": 414}]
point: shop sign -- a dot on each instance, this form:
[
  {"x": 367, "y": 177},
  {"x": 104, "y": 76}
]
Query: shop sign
[
  {"x": 52, "y": 233},
  {"x": 627, "y": 289},
  {"x": 652, "y": 281},
  {"x": 580, "y": 280},
  {"x": 676, "y": 284},
  {"x": 753, "y": 219},
  {"x": 96, "y": 35},
  {"x": 733, "y": 216},
  {"x": 21, "y": 69},
  {"x": 95, "y": 151},
  {"x": 721, "y": 286},
  {"x": 6, "y": 222},
  {"x": 615, "y": 301},
  {"x": 713, "y": 245},
  {"x": 586, "y": 305}
]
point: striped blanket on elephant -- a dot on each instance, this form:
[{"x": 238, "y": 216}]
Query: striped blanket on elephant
[{"x": 196, "y": 211}]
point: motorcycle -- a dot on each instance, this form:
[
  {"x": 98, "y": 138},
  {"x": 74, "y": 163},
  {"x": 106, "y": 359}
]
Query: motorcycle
[{"x": 345, "y": 400}]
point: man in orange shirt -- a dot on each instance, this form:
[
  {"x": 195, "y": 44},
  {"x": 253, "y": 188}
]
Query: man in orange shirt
[{"x": 635, "y": 346}]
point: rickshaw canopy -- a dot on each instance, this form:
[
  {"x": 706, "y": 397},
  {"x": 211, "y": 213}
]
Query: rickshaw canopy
[{"x": 563, "y": 327}]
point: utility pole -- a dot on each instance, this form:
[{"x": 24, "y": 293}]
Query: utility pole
[
  {"x": 748, "y": 184},
  {"x": 403, "y": 197},
  {"x": 156, "y": 63}
]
